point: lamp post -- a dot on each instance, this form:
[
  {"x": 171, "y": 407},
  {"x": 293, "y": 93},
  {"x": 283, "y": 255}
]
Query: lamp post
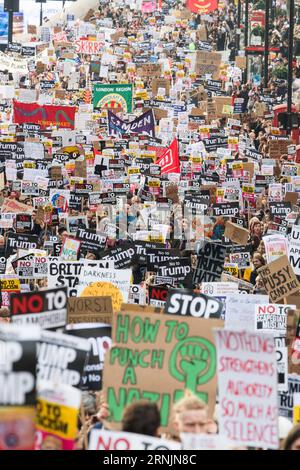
[
  {"x": 238, "y": 33},
  {"x": 290, "y": 66},
  {"x": 246, "y": 33},
  {"x": 266, "y": 50}
]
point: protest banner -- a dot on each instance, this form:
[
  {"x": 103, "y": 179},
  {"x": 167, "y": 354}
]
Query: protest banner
[
  {"x": 89, "y": 310},
  {"x": 125, "y": 381},
  {"x": 47, "y": 308},
  {"x": 190, "y": 303},
  {"x": 242, "y": 420},
  {"x": 210, "y": 263},
  {"x": 18, "y": 386},
  {"x": 45, "y": 116},
  {"x": 57, "y": 413},
  {"x": 99, "y": 337},
  {"x": 114, "y": 440},
  {"x": 294, "y": 249},
  {"x": 116, "y": 97},
  {"x": 144, "y": 124},
  {"x": 279, "y": 279}
]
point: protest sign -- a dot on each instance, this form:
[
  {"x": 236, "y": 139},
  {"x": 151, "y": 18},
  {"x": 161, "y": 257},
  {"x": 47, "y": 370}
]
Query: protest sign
[
  {"x": 47, "y": 309},
  {"x": 125, "y": 382},
  {"x": 240, "y": 310},
  {"x": 236, "y": 234},
  {"x": 99, "y": 337},
  {"x": 279, "y": 279},
  {"x": 61, "y": 358},
  {"x": 158, "y": 296},
  {"x": 70, "y": 249},
  {"x": 67, "y": 273},
  {"x": 276, "y": 246},
  {"x": 115, "y": 97},
  {"x": 113, "y": 440},
  {"x": 89, "y": 310},
  {"x": 18, "y": 386},
  {"x": 102, "y": 282},
  {"x": 286, "y": 398},
  {"x": 242, "y": 420},
  {"x": 210, "y": 263},
  {"x": 294, "y": 249},
  {"x": 272, "y": 317},
  {"x": 190, "y": 303},
  {"x": 57, "y": 411},
  {"x": 230, "y": 209},
  {"x": 15, "y": 241}
]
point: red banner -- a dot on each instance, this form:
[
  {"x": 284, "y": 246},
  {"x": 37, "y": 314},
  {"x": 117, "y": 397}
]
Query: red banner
[
  {"x": 46, "y": 115},
  {"x": 202, "y": 6}
]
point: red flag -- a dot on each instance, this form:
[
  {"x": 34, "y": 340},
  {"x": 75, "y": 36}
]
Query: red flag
[
  {"x": 202, "y": 6},
  {"x": 169, "y": 161}
]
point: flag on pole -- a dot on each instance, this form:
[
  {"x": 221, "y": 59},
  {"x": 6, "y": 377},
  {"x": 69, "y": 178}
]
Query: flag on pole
[{"x": 169, "y": 161}]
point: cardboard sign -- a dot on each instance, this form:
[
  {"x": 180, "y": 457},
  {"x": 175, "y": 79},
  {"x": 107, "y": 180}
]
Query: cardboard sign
[
  {"x": 47, "y": 308},
  {"x": 279, "y": 279},
  {"x": 89, "y": 310},
  {"x": 159, "y": 350},
  {"x": 187, "y": 302},
  {"x": 99, "y": 336},
  {"x": 248, "y": 398},
  {"x": 236, "y": 234},
  {"x": 210, "y": 263},
  {"x": 112, "y": 440},
  {"x": 158, "y": 83},
  {"x": 61, "y": 358},
  {"x": 208, "y": 63}
]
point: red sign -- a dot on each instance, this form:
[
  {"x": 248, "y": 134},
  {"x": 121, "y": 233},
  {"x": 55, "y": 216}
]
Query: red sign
[
  {"x": 169, "y": 161},
  {"x": 202, "y": 6},
  {"x": 46, "y": 115}
]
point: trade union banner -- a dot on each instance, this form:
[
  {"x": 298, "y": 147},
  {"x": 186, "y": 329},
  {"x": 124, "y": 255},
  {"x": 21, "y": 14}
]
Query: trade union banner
[
  {"x": 113, "y": 96},
  {"x": 45, "y": 116}
]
